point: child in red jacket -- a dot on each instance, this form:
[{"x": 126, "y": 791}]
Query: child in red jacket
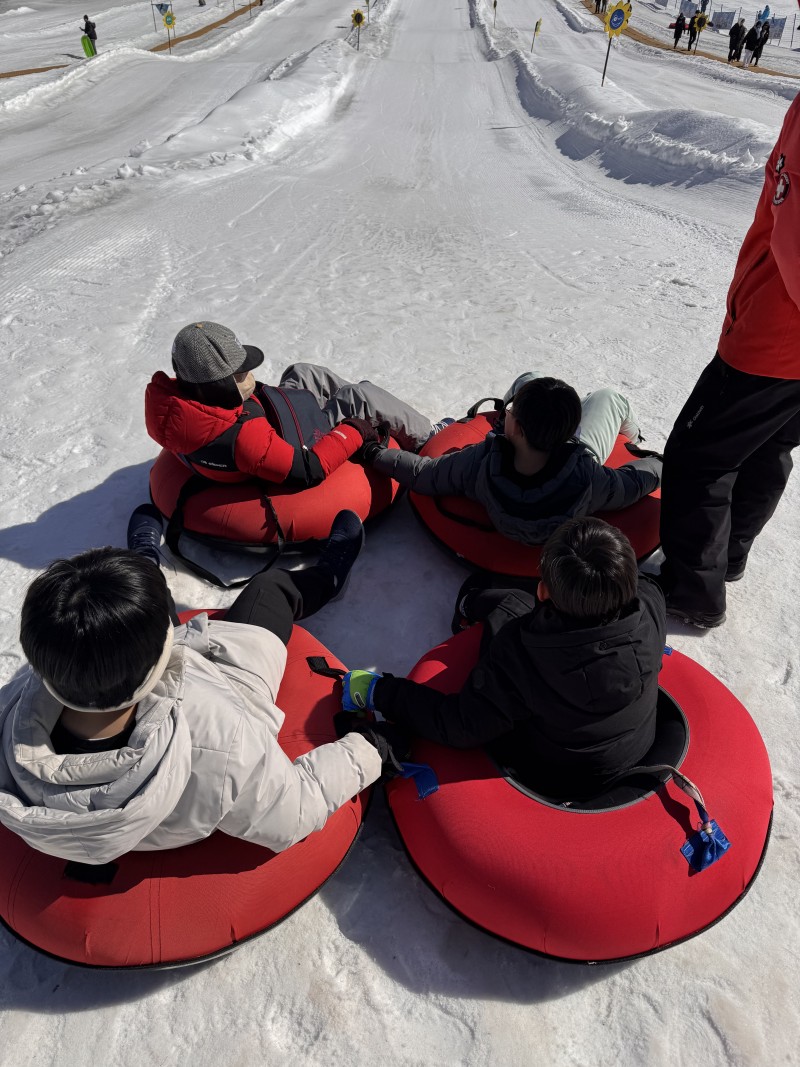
[{"x": 212, "y": 414}]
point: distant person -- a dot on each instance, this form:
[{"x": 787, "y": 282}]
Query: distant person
[
  {"x": 742, "y": 35},
  {"x": 751, "y": 43},
  {"x": 759, "y": 48},
  {"x": 597, "y": 7},
  {"x": 544, "y": 463},
  {"x": 680, "y": 27},
  {"x": 703, "y": 6},
  {"x": 603, "y": 6},
  {"x": 692, "y": 31},
  {"x": 90, "y": 30},
  {"x": 729, "y": 454},
  {"x": 736, "y": 37}
]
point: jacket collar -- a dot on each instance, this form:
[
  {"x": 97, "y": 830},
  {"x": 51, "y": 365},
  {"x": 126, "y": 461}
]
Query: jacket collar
[{"x": 548, "y": 628}]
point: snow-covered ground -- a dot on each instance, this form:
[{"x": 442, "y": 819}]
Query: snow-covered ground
[{"x": 437, "y": 211}]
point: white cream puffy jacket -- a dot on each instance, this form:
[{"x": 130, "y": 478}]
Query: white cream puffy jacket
[{"x": 203, "y": 756}]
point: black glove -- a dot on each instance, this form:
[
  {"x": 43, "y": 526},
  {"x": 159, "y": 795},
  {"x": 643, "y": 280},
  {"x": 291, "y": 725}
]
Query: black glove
[
  {"x": 370, "y": 450},
  {"x": 642, "y": 453},
  {"x": 392, "y": 742},
  {"x": 364, "y": 427}
]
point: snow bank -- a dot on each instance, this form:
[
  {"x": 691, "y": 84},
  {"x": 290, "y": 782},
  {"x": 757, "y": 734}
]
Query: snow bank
[
  {"x": 578, "y": 18},
  {"x": 682, "y": 145},
  {"x": 301, "y": 91},
  {"x": 653, "y": 145}
]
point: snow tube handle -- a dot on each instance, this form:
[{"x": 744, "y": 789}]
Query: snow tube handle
[
  {"x": 499, "y": 406},
  {"x": 424, "y": 778},
  {"x": 320, "y": 665},
  {"x": 708, "y": 844}
]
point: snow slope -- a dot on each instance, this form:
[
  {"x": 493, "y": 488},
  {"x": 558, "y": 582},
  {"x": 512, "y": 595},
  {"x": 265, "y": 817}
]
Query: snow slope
[{"x": 437, "y": 212}]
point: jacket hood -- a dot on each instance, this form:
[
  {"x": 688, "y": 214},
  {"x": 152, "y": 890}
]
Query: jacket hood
[
  {"x": 92, "y": 808},
  {"x": 179, "y": 424},
  {"x": 514, "y": 508}
]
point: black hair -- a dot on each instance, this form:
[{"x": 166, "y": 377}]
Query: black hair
[
  {"x": 548, "y": 412},
  {"x": 220, "y": 394},
  {"x": 94, "y": 626},
  {"x": 589, "y": 569}
]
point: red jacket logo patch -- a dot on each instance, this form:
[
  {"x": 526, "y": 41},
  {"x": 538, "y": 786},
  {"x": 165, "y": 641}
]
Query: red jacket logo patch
[{"x": 781, "y": 189}]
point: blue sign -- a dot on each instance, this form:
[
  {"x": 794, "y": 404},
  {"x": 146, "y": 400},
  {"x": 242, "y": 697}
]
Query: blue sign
[{"x": 617, "y": 18}]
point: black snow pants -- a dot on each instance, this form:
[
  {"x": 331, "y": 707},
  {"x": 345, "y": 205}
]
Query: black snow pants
[
  {"x": 274, "y": 599},
  {"x": 726, "y": 464}
]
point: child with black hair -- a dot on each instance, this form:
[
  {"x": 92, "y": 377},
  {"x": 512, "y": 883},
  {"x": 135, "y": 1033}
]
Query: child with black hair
[
  {"x": 131, "y": 731},
  {"x": 566, "y": 686},
  {"x": 543, "y": 464},
  {"x": 212, "y": 413}
]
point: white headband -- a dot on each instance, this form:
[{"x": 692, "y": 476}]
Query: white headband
[{"x": 146, "y": 687}]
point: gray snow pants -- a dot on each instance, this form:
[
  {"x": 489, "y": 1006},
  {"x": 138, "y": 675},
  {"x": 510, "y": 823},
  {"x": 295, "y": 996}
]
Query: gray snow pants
[{"x": 340, "y": 399}]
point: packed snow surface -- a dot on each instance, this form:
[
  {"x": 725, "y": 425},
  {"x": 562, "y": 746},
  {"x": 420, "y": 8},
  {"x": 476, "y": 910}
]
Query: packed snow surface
[{"x": 437, "y": 211}]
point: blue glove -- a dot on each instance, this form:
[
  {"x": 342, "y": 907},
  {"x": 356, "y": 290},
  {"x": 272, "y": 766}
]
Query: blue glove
[{"x": 358, "y": 690}]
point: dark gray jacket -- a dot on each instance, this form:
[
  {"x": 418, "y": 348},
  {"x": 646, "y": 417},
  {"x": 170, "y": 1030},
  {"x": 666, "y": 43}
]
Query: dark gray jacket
[{"x": 528, "y": 510}]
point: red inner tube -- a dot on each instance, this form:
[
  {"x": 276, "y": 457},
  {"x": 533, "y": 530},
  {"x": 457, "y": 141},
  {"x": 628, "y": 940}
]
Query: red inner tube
[
  {"x": 182, "y": 905},
  {"x": 239, "y": 512},
  {"x": 589, "y": 886},
  {"x": 463, "y": 526}
]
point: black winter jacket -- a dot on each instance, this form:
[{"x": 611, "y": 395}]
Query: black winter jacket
[
  {"x": 737, "y": 35},
  {"x": 574, "y": 705},
  {"x": 525, "y": 509}
]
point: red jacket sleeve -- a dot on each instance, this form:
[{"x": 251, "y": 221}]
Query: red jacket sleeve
[
  {"x": 336, "y": 447},
  {"x": 783, "y": 182},
  {"x": 262, "y": 453}
]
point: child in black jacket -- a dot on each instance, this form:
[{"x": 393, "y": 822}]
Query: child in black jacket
[
  {"x": 565, "y": 690},
  {"x": 543, "y": 464}
]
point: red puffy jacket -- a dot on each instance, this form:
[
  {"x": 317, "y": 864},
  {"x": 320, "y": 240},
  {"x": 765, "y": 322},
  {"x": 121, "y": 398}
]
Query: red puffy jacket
[
  {"x": 182, "y": 426},
  {"x": 761, "y": 332}
]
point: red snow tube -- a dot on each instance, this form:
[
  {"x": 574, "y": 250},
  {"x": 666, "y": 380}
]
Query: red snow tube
[
  {"x": 463, "y": 526},
  {"x": 241, "y": 513},
  {"x": 590, "y": 883},
  {"x": 180, "y": 906}
]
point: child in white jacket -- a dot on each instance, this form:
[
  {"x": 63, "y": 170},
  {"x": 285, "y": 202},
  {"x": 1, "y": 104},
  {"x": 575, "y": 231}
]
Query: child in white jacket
[{"x": 130, "y": 732}]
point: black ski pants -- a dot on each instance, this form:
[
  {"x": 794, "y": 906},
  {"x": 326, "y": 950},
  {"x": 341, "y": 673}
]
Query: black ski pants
[
  {"x": 275, "y": 599},
  {"x": 726, "y": 464}
]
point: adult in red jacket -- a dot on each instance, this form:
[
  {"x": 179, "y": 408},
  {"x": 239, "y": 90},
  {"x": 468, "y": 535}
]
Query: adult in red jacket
[
  {"x": 728, "y": 458},
  {"x": 211, "y": 415}
]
